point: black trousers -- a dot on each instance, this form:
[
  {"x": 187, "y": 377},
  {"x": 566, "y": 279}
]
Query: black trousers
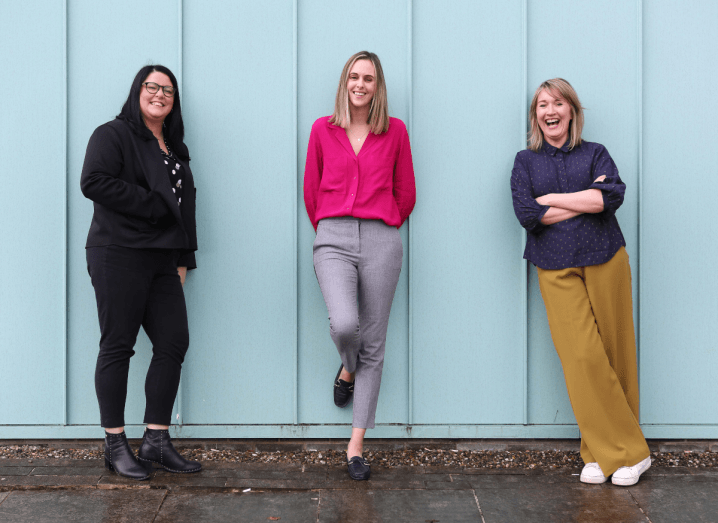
[{"x": 138, "y": 287}]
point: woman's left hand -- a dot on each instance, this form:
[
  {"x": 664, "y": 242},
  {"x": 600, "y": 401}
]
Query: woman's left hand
[{"x": 182, "y": 271}]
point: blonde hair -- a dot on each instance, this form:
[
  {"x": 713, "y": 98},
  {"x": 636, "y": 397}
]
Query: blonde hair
[
  {"x": 378, "y": 112},
  {"x": 566, "y": 92}
]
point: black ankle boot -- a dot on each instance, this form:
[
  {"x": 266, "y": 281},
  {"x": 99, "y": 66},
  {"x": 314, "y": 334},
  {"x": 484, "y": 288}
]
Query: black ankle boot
[
  {"x": 120, "y": 458},
  {"x": 156, "y": 447}
]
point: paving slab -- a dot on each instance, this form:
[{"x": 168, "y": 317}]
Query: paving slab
[
  {"x": 456, "y": 484},
  {"x": 276, "y": 484},
  {"x": 48, "y": 481},
  {"x": 291, "y": 507},
  {"x": 53, "y": 462},
  {"x": 495, "y": 472},
  {"x": 287, "y": 467},
  {"x": 82, "y": 506},
  {"x": 376, "y": 484},
  {"x": 440, "y": 470},
  {"x": 15, "y": 471},
  {"x": 162, "y": 478},
  {"x": 394, "y": 506},
  {"x": 97, "y": 470},
  {"x": 266, "y": 473},
  {"x": 325, "y": 493},
  {"x": 689, "y": 498},
  {"x": 681, "y": 471},
  {"x": 439, "y": 478},
  {"x": 384, "y": 474},
  {"x": 559, "y": 503},
  {"x": 523, "y": 481},
  {"x": 111, "y": 480}
]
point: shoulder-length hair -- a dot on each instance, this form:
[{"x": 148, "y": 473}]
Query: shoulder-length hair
[
  {"x": 567, "y": 92},
  {"x": 174, "y": 126},
  {"x": 378, "y": 112}
]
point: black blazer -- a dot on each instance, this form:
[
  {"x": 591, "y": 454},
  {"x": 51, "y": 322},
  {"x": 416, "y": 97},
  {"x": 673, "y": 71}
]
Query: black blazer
[{"x": 126, "y": 178}]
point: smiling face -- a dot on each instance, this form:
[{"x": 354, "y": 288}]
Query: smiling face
[
  {"x": 156, "y": 107},
  {"x": 554, "y": 116},
  {"x": 361, "y": 84}
]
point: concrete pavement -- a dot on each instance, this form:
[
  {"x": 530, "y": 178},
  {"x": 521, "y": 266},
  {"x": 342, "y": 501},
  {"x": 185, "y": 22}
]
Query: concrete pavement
[{"x": 55, "y": 490}]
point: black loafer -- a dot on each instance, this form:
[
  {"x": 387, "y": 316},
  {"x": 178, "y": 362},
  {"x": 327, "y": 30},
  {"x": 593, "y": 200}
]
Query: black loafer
[
  {"x": 358, "y": 468},
  {"x": 343, "y": 390}
]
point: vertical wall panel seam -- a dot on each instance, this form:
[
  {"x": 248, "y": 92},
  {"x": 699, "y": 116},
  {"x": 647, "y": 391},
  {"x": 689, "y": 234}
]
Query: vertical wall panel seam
[
  {"x": 180, "y": 32},
  {"x": 180, "y": 58},
  {"x": 639, "y": 92},
  {"x": 410, "y": 98},
  {"x": 65, "y": 217},
  {"x": 295, "y": 206},
  {"x": 525, "y": 263}
]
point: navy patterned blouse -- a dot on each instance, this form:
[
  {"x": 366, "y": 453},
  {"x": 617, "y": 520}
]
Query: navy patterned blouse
[{"x": 586, "y": 239}]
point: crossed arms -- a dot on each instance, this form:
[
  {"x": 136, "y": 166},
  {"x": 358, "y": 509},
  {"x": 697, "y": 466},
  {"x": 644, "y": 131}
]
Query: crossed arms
[{"x": 567, "y": 205}]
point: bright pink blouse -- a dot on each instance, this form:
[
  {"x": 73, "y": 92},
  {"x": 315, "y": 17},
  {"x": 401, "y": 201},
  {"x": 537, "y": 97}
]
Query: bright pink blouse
[{"x": 378, "y": 183}]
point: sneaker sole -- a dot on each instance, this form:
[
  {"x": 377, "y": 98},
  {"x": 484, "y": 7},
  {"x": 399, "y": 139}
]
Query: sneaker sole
[{"x": 593, "y": 481}]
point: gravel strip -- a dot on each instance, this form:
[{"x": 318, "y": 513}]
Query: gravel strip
[{"x": 427, "y": 457}]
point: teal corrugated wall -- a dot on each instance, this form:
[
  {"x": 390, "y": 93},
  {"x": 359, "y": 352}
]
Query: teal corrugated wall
[{"x": 469, "y": 353}]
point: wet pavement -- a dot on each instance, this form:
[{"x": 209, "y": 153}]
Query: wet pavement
[{"x": 55, "y": 490}]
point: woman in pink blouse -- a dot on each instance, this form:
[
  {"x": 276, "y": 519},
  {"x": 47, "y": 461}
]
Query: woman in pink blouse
[{"x": 358, "y": 190}]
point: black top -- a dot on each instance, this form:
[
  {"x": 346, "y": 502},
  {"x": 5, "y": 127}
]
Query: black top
[{"x": 126, "y": 178}]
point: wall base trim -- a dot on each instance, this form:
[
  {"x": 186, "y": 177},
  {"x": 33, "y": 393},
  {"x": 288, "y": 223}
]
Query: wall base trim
[{"x": 25, "y": 432}]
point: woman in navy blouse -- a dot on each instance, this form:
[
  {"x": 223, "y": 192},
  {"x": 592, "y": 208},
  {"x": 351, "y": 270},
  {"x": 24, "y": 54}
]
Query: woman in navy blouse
[{"x": 565, "y": 193}]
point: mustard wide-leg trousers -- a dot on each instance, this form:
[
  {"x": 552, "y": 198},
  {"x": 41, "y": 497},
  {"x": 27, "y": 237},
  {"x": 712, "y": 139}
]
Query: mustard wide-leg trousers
[{"x": 590, "y": 313}]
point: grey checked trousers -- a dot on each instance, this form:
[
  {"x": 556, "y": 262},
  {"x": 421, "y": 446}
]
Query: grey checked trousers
[{"x": 357, "y": 263}]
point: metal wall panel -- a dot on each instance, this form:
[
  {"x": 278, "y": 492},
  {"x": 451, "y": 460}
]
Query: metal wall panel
[
  {"x": 238, "y": 80},
  {"x": 469, "y": 352},
  {"x": 679, "y": 302},
  {"x": 106, "y": 48},
  {"x": 601, "y": 64},
  {"x": 32, "y": 217},
  {"x": 468, "y": 355},
  {"x": 329, "y": 33}
]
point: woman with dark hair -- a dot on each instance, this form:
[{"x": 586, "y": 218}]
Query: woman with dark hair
[
  {"x": 358, "y": 190},
  {"x": 141, "y": 242},
  {"x": 566, "y": 192}
]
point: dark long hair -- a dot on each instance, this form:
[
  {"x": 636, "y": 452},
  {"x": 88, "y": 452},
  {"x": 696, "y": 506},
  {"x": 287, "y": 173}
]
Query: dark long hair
[{"x": 174, "y": 126}]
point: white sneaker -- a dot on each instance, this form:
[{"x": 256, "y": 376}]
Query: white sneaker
[
  {"x": 626, "y": 476},
  {"x": 592, "y": 473}
]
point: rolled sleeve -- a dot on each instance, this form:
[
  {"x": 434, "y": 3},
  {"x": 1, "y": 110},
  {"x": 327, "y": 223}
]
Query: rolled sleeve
[
  {"x": 528, "y": 211},
  {"x": 612, "y": 187}
]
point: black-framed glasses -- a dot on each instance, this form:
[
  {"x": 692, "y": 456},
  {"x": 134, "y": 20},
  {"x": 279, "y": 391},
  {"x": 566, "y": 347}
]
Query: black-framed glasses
[{"x": 152, "y": 88}]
